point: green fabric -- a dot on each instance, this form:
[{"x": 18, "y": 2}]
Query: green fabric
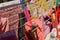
[{"x": 57, "y": 2}]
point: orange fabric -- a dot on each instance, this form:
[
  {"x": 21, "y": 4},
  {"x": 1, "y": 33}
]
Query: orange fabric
[
  {"x": 4, "y": 25},
  {"x": 49, "y": 13},
  {"x": 40, "y": 32}
]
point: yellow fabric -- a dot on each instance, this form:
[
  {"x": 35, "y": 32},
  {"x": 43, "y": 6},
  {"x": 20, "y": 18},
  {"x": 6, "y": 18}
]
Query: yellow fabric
[
  {"x": 54, "y": 6},
  {"x": 44, "y": 5},
  {"x": 33, "y": 10},
  {"x": 39, "y": 3},
  {"x": 49, "y": 13}
]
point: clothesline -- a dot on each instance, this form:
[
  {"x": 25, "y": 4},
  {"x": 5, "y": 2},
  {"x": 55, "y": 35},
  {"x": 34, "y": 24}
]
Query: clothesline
[
  {"x": 16, "y": 21},
  {"x": 22, "y": 25}
]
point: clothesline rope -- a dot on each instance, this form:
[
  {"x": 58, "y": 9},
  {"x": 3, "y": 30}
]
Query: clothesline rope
[
  {"x": 16, "y": 20},
  {"x": 22, "y": 25}
]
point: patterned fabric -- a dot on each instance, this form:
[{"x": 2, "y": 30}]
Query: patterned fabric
[
  {"x": 33, "y": 10},
  {"x": 40, "y": 32},
  {"x": 4, "y": 27},
  {"x": 45, "y": 24}
]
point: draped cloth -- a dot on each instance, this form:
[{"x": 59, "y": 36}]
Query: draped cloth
[
  {"x": 40, "y": 32},
  {"x": 4, "y": 26},
  {"x": 9, "y": 35}
]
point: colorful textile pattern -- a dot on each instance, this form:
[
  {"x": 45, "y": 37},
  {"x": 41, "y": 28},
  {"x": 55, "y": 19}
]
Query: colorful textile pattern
[
  {"x": 4, "y": 27},
  {"x": 40, "y": 32}
]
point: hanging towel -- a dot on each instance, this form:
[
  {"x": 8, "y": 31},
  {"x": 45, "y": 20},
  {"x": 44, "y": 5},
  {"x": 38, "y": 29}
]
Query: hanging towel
[
  {"x": 4, "y": 27},
  {"x": 9, "y": 35},
  {"x": 40, "y": 32}
]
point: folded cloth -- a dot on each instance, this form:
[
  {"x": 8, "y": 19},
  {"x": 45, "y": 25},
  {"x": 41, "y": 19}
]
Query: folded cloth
[
  {"x": 9, "y": 35},
  {"x": 4, "y": 27},
  {"x": 40, "y": 32}
]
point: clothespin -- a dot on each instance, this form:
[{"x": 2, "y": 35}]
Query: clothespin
[
  {"x": 27, "y": 15},
  {"x": 22, "y": 4}
]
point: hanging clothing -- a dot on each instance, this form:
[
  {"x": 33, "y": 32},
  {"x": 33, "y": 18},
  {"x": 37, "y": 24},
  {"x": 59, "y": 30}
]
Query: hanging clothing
[
  {"x": 13, "y": 22},
  {"x": 10, "y": 35},
  {"x": 33, "y": 9},
  {"x": 4, "y": 27},
  {"x": 52, "y": 35},
  {"x": 40, "y": 32},
  {"x": 46, "y": 24}
]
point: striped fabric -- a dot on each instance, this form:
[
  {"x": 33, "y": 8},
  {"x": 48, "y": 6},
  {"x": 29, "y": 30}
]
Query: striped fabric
[
  {"x": 11, "y": 13},
  {"x": 40, "y": 32}
]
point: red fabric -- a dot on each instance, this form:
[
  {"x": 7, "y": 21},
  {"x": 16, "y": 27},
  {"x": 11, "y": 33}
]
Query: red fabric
[
  {"x": 58, "y": 14},
  {"x": 40, "y": 32},
  {"x": 58, "y": 19}
]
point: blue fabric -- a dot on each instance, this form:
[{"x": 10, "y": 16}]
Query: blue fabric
[
  {"x": 21, "y": 1},
  {"x": 23, "y": 6}
]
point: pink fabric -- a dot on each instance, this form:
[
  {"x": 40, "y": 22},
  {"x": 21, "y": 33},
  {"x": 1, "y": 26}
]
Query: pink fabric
[
  {"x": 40, "y": 32},
  {"x": 27, "y": 15},
  {"x": 46, "y": 28},
  {"x": 14, "y": 25},
  {"x": 51, "y": 10},
  {"x": 4, "y": 27}
]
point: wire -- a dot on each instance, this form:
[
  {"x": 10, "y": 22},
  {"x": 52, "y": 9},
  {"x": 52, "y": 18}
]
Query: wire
[
  {"x": 22, "y": 25},
  {"x": 18, "y": 20},
  {"x": 15, "y": 21}
]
